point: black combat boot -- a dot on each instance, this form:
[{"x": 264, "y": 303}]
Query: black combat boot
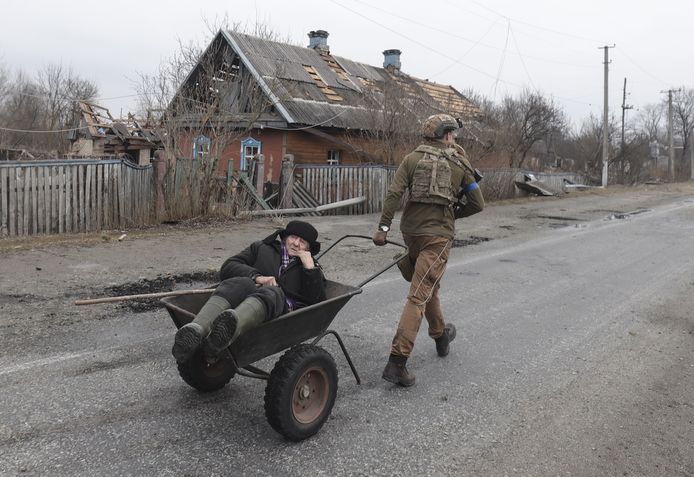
[
  {"x": 443, "y": 341},
  {"x": 396, "y": 372}
]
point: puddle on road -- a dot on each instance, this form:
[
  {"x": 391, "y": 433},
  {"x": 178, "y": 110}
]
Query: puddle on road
[
  {"x": 469, "y": 241},
  {"x": 626, "y": 215}
]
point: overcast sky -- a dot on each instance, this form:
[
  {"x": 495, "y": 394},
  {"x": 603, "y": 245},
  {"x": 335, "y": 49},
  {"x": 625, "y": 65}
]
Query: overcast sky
[{"x": 495, "y": 47}]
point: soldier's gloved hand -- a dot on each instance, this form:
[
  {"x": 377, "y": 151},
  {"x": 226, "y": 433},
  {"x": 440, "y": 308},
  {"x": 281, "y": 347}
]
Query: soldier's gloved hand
[
  {"x": 379, "y": 237},
  {"x": 459, "y": 210}
]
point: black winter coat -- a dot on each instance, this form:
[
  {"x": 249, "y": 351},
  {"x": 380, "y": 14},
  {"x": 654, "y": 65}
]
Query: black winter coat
[{"x": 264, "y": 257}]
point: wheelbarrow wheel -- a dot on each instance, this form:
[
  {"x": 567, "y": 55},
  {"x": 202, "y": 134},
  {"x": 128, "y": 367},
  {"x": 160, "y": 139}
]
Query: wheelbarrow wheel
[
  {"x": 301, "y": 391},
  {"x": 205, "y": 377}
]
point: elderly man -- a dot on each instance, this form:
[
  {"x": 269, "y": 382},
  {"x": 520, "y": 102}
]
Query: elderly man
[
  {"x": 271, "y": 277},
  {"x": 435, "y": 173}
]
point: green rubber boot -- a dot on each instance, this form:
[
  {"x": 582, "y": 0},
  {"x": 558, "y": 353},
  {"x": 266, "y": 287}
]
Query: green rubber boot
[
  {"x": 190, "y": 336},
  {"x": 230, "y": 324}
]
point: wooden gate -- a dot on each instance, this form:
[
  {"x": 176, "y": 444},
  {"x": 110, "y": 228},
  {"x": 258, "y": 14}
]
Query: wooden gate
[{"x": 332, "y": 183}]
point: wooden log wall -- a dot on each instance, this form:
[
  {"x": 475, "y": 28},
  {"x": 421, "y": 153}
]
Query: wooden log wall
[
  {"x": 331, "y": 183},
  {"x": 55, "y": 197}
]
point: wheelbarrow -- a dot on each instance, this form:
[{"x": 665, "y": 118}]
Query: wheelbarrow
[{"x": 302, "y": 386}]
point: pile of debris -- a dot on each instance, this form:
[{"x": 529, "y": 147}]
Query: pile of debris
[{"x": 99, "y": 134}]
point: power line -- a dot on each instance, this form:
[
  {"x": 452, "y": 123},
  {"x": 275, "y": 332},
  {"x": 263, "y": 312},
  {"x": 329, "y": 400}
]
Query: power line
[
  {"x": 450, "y": 65},
  {"x": 503, "y": 57},
  {"x": 32, "y": 131},
  {"x": 556, "y": 32},
  {"x": 438, "y": 52},
  {"x": 642, "y": 69},
  {"x": 515, "y": 42},
  {"x": 474, "y": 42}
]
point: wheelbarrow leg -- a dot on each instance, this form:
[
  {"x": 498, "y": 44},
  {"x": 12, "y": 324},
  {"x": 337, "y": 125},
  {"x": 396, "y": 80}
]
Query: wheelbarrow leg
[{"x": 344, "y": 351}]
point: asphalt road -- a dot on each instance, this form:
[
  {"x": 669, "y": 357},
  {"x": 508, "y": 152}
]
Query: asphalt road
[{"x": 574, "y": 356}]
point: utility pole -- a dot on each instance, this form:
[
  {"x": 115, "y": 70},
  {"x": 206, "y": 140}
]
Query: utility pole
[
  {"x": 625, "y": 107},
  {"x": 671, "y": 146},
  {"x": 605, "y": 129}
]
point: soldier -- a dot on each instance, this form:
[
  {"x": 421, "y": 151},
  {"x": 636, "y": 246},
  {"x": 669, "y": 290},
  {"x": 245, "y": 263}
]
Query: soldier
[{"x": 436, "y": 174}]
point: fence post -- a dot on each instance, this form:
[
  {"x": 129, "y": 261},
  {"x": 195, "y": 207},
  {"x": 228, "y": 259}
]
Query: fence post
[
  {"x": 160, "y": 165},
  {"x": 260, "y": 174},
  {"x": 230, "y": 171},
  {"x": 287, "y": 185}
]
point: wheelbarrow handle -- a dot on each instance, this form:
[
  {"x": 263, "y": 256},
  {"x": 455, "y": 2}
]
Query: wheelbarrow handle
[{"x": 396, "y": 259}]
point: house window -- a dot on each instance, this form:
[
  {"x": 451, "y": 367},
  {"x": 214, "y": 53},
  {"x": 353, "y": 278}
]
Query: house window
[
  {"x": 201, "y": 147},
  {"x": 249, "y": 148},
  {"x": 333, "y": 157}
]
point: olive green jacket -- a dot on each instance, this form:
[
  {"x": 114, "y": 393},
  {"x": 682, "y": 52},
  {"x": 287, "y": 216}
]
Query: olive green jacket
[{"x": 431, "y": 219}]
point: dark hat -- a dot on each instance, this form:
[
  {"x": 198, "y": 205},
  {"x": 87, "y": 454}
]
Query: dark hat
[{"x": 304, "y": 230}]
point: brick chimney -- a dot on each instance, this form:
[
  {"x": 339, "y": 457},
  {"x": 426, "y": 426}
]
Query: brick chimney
[
  {"x": 391, "y": 59},
  {"x": 318, "y": 40}
]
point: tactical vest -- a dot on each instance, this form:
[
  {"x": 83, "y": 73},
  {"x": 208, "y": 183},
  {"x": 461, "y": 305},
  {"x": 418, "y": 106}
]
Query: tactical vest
[{"x": 431, "y": 183}]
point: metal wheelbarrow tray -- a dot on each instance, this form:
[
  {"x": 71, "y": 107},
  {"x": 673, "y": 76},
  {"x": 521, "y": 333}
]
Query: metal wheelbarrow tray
[{"x": 302, "y": 386}]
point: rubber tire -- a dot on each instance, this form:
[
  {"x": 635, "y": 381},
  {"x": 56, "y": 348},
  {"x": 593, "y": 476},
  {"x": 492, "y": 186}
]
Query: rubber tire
[
  {"x": 307, "y": 361},
  {"x": 206, "y": 378}
]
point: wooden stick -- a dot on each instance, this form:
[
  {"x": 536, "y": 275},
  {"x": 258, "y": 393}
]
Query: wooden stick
[
  {"x": 93, "y": 301},
  {"x": 304, "y": 210}
]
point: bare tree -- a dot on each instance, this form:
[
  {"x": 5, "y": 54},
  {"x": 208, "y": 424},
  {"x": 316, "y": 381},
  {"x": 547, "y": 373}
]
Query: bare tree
[
  {"x": 391, "y": 122},
  {"x": 478, "y": 134},
  {"x": 200, "y": 101},
  {"x": 61, "y": 89},
  {"x": 4, "y": 82},
  {"x": 683, "y": 112},
  {"x": 31, "y": 107},
  {"x": 522, "y": 122},
  {"x": 21, "y": 112},
  {"x": 588, "y": 144},
  {"x": 650, "y": 121}
]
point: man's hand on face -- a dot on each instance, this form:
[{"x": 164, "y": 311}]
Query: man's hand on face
[
  {"x": 264, "y": 281},
  {"x": 306, "y": 258},
  {"x": 298, "y": 247}
]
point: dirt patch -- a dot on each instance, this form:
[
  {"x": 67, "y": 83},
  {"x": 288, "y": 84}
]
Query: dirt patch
[{"x": 162, "y": 283}]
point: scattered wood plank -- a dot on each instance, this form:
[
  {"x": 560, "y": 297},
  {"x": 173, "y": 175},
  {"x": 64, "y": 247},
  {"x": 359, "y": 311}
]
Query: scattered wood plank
[
  {"x": 302, "y": 198},
  {"x": 249, "y": 188},
  {"x": 111, "y": 299},
  {"x": 306, "y": 210}
]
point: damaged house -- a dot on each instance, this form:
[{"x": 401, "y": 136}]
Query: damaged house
[
  {"x": 100, "y": 135},
  {"x": 248, "y": 96}
]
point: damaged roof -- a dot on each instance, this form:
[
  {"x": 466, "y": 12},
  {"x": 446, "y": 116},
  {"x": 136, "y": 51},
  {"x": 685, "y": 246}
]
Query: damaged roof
[
  {"x": 99, "y": 124},
  {"x": 309, "y": 86}
]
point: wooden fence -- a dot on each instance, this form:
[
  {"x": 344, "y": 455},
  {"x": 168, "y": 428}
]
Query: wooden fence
[
  {"x": 73, "y": 196},
  {"x": 90, "y": 195},
  {"x": 332, "y": 183}
]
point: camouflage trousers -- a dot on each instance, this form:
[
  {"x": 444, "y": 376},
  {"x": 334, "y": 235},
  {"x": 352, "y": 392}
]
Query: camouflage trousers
[{"x": 429, "y": 254}]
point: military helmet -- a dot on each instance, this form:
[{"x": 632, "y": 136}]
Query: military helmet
[{"x": 437, "y": 125}]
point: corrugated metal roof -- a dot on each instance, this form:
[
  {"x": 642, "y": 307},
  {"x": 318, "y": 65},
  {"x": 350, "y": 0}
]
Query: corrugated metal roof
[{"x": 319, "y": 89}]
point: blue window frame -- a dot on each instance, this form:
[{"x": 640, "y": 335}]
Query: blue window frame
[{"x": 249, "y": 148}]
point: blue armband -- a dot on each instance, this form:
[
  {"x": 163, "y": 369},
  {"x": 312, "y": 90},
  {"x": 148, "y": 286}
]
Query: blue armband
[{"x": 471, "y": 187}]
